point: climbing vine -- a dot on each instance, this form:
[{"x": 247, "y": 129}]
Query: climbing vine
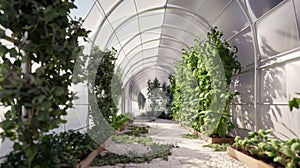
[
  {"x": 40, "y": 33},
  {"x": 201, "y": 91}
]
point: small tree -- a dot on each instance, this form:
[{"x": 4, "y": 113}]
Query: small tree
[{"x": 41, "y": 33}]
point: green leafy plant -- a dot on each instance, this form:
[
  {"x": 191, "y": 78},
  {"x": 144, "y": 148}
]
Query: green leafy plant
[
  {"x": 40, "y": 33},
  {"x": 160, "y": 96},
  {"x": 101, "y": 86},
  {"x": 190, "y": 136},
  {"x": 155, "y": 151},
  {"x": 218, "y": 147},
  {"x": 201, "y": 85},
  {"x": 136, "y": 130},
  {"x": 260, "y": 144},
  {"x": 294, "y": 103},
  {"x": 119, "y": 120},
  {"x": 65, "y": 149}
]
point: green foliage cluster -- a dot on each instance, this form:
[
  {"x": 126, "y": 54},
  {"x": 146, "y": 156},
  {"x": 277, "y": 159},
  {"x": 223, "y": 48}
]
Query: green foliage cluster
[
  {"x": 160, "y": 96},
  {"x": 119, "y": 120},
  {"x": 201, "y": 85},
  {"x": 40, "y": 33},
  {"x": 294, "y": 103},
  {"x": 136, "y": 130},
  {"x": 190, "y": 136},
  {"x": 260, "y": 143},
  {"x": 155, "y": 151},
  {"x": 102, "y": 85},
  {"x": 218, "y": 147},
  {"x": 65, "y": 149}
]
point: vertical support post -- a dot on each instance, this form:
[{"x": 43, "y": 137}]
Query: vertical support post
[{"x": 256, "y": 54}]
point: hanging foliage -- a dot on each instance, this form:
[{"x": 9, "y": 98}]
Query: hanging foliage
[{"x": 39, "y": 32}]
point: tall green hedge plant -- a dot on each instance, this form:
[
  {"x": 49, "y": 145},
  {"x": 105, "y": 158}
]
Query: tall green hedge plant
[
  {"x": 202, "y": 80},
  {"x": 39, "y": 32}
]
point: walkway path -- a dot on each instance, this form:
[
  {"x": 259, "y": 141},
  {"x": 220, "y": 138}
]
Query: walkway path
[{"x": 189, "y": 154}]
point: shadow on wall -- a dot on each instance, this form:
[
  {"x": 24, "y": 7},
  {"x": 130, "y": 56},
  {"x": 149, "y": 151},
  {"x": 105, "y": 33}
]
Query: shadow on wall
[
  {"x": 272, "y": 111},
  {"x": 266, "y": 49},
  {"x": 242, "y": 105}
]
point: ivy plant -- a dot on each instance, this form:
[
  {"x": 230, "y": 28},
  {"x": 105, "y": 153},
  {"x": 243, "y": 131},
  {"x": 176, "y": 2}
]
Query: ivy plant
[
  {"x": 294, "y": 103},
  {"x": 201, "y": 92},
  {"x": 40, "y": 33},
  {"x": 65, "y": 149}
]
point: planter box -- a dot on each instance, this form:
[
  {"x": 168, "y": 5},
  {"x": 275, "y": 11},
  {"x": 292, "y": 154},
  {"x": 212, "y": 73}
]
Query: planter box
[
  {"x": 210, "y": 139},
  {"x": 247, "y": 160},
  {"x": 89, "y": 159}
]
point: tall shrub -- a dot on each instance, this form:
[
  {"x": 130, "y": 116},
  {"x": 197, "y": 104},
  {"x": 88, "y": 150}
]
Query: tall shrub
[
  {"x": 202, "y": 82},
  {"x": 39, "y": 32}
]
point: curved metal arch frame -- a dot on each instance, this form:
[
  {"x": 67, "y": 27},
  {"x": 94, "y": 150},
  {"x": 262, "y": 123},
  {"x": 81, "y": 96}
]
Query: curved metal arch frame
[
  {"x": 149, "y": 41},
  {"x": 152, "y": 56},
  {"x": 151, "y": 9},
  {"x": 150, "y": 62},
  {"x": 154, "y": 28},
  {"x": 119, "y": 27},
  {"x": 133, "y": 68},
  {"x": 140, "y": 75}
]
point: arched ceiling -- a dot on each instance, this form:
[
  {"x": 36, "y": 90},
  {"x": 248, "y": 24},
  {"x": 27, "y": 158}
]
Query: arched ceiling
[{"x": 149, "y": 35}]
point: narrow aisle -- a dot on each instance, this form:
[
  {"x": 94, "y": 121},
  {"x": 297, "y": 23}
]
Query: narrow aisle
[{"x": 189, "y": 153}]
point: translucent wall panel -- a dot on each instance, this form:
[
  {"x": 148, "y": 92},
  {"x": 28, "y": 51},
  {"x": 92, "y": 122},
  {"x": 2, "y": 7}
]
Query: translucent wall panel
[
  {"x": 273, "y": 85},
  {"x": 244, "y": 84},
  {"x": 278, "y": 117},
  {"x": 107, "y": 5},
  {"x": 174, "y": 43},
  {"x": 181, "y": 35},
  {"x": 104, "y": 35},
  {"x": 151, "y": 19},
  {"x": 124, "y": 11},
  {"x": 243, "y": 116},
  {"x": 146, "y": 4},
  {"x": 93, "y": 18},
  {"x": 274, "y": 36},
  {"x": 133, "y": 43},
  {"x": 297, "y": 7},
  {"x": 210, "y": 9},
  {"x": 151, "y": 44},
  {"x": 149, "y": 35},
  {"x": 232, "y": 20},
  {"x": 129, "y": 29},
  {"x": 257, "y": 8},
  {"x": 244, "y": 42},
  {"x": 177, "y": 18},
  {"x": 170, "y": 52},
  {"x": 293, "y": 80},
  {"x": 190, "y": 4}
]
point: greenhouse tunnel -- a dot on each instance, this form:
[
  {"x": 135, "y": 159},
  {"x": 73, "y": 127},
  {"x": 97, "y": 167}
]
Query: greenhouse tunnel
[{"x": 149, "y": 36}]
